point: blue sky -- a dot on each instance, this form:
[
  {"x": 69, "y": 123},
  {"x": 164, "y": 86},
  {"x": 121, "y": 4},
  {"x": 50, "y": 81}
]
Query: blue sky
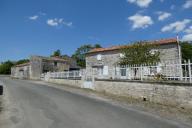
[{"x": 38, "y": 27}]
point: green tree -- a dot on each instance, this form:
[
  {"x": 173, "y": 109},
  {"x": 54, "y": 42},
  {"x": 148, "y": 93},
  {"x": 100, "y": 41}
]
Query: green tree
[
  {"x": 22, "y": 61},
  {"x": 56, "y": 53},
  {"x": 97, "y": 46},
  {"x": 79, "y": 54},
  {"x": 5, "y": 67},
  {"x": 186, "y": 49},
  {"x": 140, "y": 53}
]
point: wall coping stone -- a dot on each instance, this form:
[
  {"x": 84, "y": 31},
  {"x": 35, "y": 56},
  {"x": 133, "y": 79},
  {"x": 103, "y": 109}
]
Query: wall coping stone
[
  {"x": 66, "y": 79},
  {"x": 171, "y": 83}
]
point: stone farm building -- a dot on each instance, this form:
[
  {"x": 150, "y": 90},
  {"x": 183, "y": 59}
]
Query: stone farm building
[
  {"x": 102, "y": 61},
  {"x": 39, "y": 65}
]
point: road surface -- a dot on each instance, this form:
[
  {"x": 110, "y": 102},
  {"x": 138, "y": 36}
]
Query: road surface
[{"x": 40, "y": 106}]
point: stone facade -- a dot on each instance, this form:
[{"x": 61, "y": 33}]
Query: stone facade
[
  {"x": 39, "y": 65},
  {"x": 103, "y": 61},
  {"x": 21, "y": 71}
]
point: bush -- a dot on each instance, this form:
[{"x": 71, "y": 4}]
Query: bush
[{"x": 5, "y": 68}]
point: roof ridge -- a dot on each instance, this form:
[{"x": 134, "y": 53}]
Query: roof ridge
[{"x": 160, "y": 41}]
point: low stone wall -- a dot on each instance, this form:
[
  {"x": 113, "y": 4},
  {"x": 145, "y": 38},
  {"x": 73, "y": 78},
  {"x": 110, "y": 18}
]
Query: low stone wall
[
  {"x": 176, "y": 95},
  {"x": 75, "y": 83}
]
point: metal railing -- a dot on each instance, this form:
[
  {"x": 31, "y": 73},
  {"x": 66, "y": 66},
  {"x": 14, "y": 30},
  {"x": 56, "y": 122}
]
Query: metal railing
[
  {"x": 164, "y": 71},
  {"x": 63, "y": 75},
  {"x": 161, "y": 71}
]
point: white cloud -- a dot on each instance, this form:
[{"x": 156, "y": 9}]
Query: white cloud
[
  {"x": 58, "y": 22},
  {"x": 52, "y": 22},
  {"x": 188, "y": 4},
  {"x": 161, "y": 0},
  {"x": 140, "y": 21},
  {"x": 188, "y": 30},
  {"x": 35, "y": 17},
  {"x": 140, "y": 3},
  {"x": 187, "y": 37},
  {"x": 176, "y": 26},
  {"x": 163, "y": 15}
]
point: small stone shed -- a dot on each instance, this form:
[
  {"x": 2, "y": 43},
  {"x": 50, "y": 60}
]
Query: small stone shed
[{"x": 39, "y": 65}]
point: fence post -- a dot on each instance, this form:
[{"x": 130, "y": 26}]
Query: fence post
[
  {"x": 189, "y": 68},
  {"x": 68, "y": 75},
  {"x": 141, "y": 73}
]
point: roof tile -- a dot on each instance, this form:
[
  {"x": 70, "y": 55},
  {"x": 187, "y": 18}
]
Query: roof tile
[{"x": 160, "y": 42}]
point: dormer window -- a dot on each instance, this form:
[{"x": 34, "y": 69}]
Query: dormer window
[{"x": 99, "y": 57}]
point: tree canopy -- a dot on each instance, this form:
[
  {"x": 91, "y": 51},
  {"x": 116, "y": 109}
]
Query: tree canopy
[
  {"x": 5, "y": 67},
  {"x": 186, "y": 49},
  {"x": 56, "y": 53},
  {"x": 140, "y": 53},
  {"x": 79, "y": 54},
  {"x": 22, "y": 61}
]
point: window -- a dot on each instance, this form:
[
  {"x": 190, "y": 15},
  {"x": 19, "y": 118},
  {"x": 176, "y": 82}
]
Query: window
[
  {"x": 100, "y": 70},
  {"x": 55, "y": 63},
  {"x": 123, "y": 72},
  {"x": 153, "y": 70},
  {"x": 99, "y": 57},
  {"x": 105, "y": 70}
]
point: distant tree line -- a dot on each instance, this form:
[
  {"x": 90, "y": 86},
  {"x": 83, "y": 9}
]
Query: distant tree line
[{"x": 5, "y": 67}]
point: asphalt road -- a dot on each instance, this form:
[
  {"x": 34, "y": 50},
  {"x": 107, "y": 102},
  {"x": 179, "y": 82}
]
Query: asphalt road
[{"x": 41, "y": 106}]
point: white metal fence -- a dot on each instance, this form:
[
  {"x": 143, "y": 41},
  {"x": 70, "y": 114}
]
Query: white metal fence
[
  {"x": 63, "y": 75},
  {"x": 162, "y": 71}
]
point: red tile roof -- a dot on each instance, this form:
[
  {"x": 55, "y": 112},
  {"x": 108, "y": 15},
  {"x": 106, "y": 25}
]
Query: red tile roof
[
  {"x": 55, "y": 58},
  {"x": 159, "y": 42},
  {"x": 21, "y": 65}
]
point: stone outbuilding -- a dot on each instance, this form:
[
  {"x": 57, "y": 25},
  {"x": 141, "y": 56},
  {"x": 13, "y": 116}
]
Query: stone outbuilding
[{"x": 39, "y": 65}]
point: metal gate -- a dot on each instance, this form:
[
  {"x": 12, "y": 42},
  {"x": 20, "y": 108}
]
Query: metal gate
[{"x": 88, "y": 79}]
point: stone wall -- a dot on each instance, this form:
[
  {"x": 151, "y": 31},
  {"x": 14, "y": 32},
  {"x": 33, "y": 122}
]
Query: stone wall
[
  {"x": 21, "y": 72},
  {"x": 74, "y": 83},
  {"x": 176, "y": 95},
  {"x": 36, "y": 67}
]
